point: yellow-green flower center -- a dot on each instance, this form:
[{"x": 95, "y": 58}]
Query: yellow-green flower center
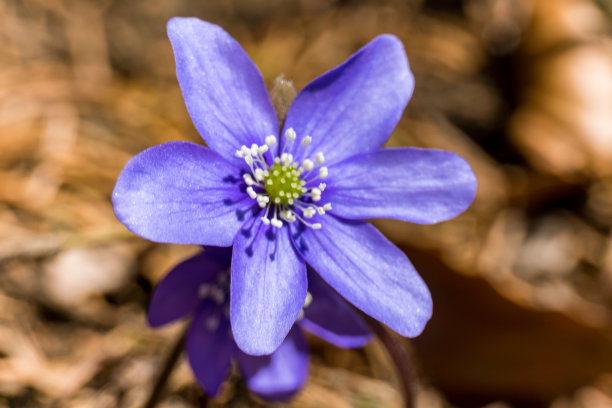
[{"x": 283, "y": 184}]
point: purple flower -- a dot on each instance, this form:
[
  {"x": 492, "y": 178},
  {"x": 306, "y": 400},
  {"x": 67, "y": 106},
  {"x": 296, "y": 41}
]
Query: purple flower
[
  {"x": 284, "y": 200},
  {"x": 198, "y": 287}
]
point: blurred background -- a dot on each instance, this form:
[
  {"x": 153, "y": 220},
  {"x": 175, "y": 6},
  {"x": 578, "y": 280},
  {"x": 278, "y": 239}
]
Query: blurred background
[{"x": 522, "y": 282}]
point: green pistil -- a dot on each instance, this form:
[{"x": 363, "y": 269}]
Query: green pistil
[{"x": 283, "y": 184}]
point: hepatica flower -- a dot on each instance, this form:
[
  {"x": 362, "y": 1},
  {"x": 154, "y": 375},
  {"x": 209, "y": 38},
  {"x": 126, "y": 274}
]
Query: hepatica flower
[
  {"x": 198, "y": 287},
  {"x": 289, "y": 197}
]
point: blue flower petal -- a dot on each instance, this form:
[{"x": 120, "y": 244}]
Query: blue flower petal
[
  {"x": 181, "y": 193},
  {"x": 354, "y": 107},
  {"x": 418, "y": 185},
  {"x": 279, "y": 376},
  {"x": 268, "y": 287},
  {"x": 369, "y": 271},
  {"x": 177, "y": 294},
  {"x": 331, "y": 318},
  {"x": 224, "y": 91},
  {"x": 210, "y": 347}
]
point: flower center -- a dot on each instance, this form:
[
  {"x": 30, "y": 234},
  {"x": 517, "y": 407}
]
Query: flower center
[
  {"x": 287, "y": 189},
  {"x": 283, "y": 184}
]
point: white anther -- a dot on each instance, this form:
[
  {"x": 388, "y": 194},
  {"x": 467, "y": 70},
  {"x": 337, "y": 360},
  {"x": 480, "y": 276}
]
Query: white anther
[
  {"x": 327, "y": 207},
  {"x": 316, "y": 226},
  {"x": 223, "y": 278},
  {"x": 320, "y": 158},
  {"x": 262, "y": 149},
  {"x": 245, "y": 150},
  {"x": 289, "y": 158},
  {"x": 265, "y": 220},
  {"x": 316, "y": 192},
  {"x": 262, "y": 200},
  {"x": 307, "y": 164},
  {"x": 276, "y": 223},
  {"x": 254, "y": 150},
  {"x": 322, "y": 186},
  {"x": 248, "y": 160},
  {"x": 259, "y": 174},
  {"x": 284, "y": 157},
  {"x": 270, "y": 140},
  {"x": 308, "y": 299},
  {"x": 239, "y": 154},
  {"x": 251, "y": 192},
  {"x": 306, "y": 140},
  {"x": 290, "y": 134},
  {"x": 218, "y": 295},
  {"x": 211, "y": 323},
  {"x": 321, "y": 210},
  {"x": 309, "y": 212},
  {"x": 248, "y": 179},
  {"x": 204, "y": 291},
  {"x": 323, "y": 172}
]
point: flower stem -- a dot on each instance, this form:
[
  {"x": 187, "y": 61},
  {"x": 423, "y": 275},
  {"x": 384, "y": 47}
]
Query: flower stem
[
  {"x": 399, "y": 356},
  {"x": 167, "y": 368}
]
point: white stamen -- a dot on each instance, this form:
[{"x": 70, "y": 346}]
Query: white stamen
[
  {"x": 308, "y": 164},
  {"x": 211, "y": 323},
  {"x": 309, "y": 212},
  {"x": 319, "y": 157},
  {"x": 204, "y": 291},
  {"x": 316, "y": 226},
  {"x": 322, "y": 186},
  {"x": 262, "y": 149},
  {"x": 245, "y": 150},
  {"x": 265, "y": 220},
  {"x": 248, "y": 179},
  {"x": 308, "y": 299},
  {"x": 259, "y": 174},
  {"x": 248, "y": 160},
  {"x": 251, "y": 193},
  {"x": 223, "y": 278},
  {"x": 254, "y": 150},
  {"x": 327, "y": 207},
  {"x": 239, "y": 154},
  {"x": 271, "y": 140},
  {"x": 290, "y": 134},
  {"x": 306, "y": 140},
  {"x": 218, "y": 295},
  {"x": 323, "y": 172},
  {"x": 276, "y": 223}
]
